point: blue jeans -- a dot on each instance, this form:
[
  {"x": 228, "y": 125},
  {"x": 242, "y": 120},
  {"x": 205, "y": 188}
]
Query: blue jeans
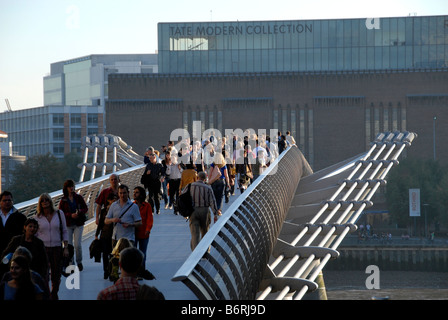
[
  {"x": 75, "y": 238},
  {"x": 165, "y": 190},
  {"x": 142, "y": 244}
]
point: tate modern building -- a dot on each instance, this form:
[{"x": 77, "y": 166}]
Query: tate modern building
[{"x": 334, "y": 83}]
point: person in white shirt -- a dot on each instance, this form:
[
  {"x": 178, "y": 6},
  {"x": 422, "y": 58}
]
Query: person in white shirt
[{"x": 290, "y": 139}]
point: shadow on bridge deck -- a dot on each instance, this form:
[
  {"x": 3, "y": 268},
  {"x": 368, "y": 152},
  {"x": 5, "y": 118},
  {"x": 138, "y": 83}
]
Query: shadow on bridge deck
[{"x": 168, "y": 248}]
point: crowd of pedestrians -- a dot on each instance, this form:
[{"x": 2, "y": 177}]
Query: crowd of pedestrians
[{"x": 35, "y": 251}]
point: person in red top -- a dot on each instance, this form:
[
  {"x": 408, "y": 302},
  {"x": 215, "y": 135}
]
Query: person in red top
[
  {"x": 101, "y": 201},
  {"x": 126, "y": 288},
  {"x": 143, "y": 231}
]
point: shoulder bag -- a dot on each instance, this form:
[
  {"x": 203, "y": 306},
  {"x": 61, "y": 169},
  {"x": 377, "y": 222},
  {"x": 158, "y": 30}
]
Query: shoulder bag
[{"x": 215, "y": 174}]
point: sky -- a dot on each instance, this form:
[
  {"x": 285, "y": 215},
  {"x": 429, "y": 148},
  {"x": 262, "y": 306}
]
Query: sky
[{"x": 36, "y": 33}]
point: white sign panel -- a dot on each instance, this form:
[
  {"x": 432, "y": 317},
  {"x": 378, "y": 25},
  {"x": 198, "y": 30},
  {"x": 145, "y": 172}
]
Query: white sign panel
[{"x": 414, "y": 202}]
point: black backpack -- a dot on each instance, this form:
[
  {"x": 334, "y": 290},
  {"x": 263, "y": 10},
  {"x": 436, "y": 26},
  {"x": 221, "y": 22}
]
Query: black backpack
[{"x": 185, "y": 202}]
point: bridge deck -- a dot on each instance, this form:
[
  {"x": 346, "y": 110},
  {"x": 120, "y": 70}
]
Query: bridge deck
[{"x": 168, "y": 248}]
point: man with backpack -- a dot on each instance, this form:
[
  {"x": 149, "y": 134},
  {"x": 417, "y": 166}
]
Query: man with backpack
[{"x": 203, "y": 199}]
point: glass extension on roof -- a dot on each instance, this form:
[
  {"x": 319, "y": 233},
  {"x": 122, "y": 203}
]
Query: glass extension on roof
[{"x": 313, "y": 45}]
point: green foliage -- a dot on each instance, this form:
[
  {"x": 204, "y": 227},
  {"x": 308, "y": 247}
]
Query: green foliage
[
  {"x": 428, "y": 176},
  {"x": 43, "y": 173}
]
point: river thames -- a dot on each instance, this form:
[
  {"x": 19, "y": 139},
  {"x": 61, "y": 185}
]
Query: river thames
[{"x": 393, "y": 285}]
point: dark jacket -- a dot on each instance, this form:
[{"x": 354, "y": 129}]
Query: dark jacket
[
  {"x": 157, "y": 172},
  {"x": 14, "y": 226},
  {"x": 81, "y": 206},
  {"x": 39, "y": 262},
  {"x": 95, "y": 250}
]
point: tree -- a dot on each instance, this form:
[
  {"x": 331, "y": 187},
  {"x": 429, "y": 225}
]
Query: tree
[
  {"x": 42, "y": 173},
  {"x": 432, "y": 180}
]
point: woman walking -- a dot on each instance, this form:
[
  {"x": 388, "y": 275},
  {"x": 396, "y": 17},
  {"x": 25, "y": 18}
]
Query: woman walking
[
  {"x": 219, "y": 163},
  {"x": 21, "y": 285},
  {"x": 53, "y": 232},
  {"x": 75, "y": 210},
  {"x": 174, "y": 170}
]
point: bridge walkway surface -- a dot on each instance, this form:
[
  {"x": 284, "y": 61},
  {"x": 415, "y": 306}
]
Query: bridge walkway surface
[{"x": 168, "y": 248}]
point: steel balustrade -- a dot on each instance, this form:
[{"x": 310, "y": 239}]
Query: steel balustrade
[
  {"x": 126, "y": 164},
  {"x": 230, "y": 261},
  {"x": 89, "y": 190},
  {"x": 281, "y": 224},
  {"x": 275, "y": 239},
  {"x": 336, "y": 216},
  {"x": 110, "y": 146}
]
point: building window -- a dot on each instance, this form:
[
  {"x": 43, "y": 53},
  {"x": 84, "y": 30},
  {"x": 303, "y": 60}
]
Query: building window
[
  {"x": 92, "y": 119},
  {"x": 75, "y": 119},
  {"x": 202, "y": 115},
  {"x": 220, "y": 121},
  {"x": 75, "y": 134},
  {"x": 58, "y": 134},
  {"x": 293, "y": 123},
  {"x": 275, "y": 116},
  {"x": 211, "y": 119},
  {"x": 301, "y": 129},
  {"x": 185, "y": 120},
  {"x": 58, "y": 119},
  {"x": 92, "y": 131},
  {"x": 311, "y": 136},
  {"x": 393, "y": 119}
]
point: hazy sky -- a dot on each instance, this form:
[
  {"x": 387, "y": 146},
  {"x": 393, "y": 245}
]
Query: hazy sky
[{"x": 36, "y": 33}]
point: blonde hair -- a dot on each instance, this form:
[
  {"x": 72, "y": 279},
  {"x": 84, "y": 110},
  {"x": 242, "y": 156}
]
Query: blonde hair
[
  {"x": 39, "y": 209},
  {"x": 122, "y": 244},
  {"x": 219, "y": 160}
]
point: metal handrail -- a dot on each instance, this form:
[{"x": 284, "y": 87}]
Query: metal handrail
[
  {"x": 237, "y": 258},
  {"x": 229, "y": 262},
  {"x": 89, "y": 190},
  {"x": 343, "y": 214}
]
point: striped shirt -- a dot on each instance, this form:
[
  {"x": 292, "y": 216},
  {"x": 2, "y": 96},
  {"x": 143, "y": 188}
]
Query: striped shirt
[{"x": 203, "y": 196}]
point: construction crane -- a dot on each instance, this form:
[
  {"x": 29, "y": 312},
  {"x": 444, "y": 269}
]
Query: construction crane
[{"x": 8, "y": 105}]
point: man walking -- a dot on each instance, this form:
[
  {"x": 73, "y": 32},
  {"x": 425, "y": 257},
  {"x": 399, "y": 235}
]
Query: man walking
[
  {"x": 154, "y": 177},
  {"x": 11, "y": 223},
  {"x": 126, "y": 288},
  {"x": 101, "y": 201},
  {"x": 125, "y": 215},
  {"x": 203, "y": 199}
]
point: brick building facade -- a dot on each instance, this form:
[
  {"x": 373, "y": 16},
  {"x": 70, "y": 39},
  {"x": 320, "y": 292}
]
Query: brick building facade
[{"x": 332, "y": 115}]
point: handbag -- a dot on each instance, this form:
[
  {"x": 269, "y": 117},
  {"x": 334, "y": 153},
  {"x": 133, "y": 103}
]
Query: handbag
[{"x": 215, "y": 174}]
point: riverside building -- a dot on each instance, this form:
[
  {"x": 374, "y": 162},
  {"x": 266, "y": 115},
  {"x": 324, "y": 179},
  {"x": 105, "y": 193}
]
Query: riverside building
[{"x": 334, "y": 84}]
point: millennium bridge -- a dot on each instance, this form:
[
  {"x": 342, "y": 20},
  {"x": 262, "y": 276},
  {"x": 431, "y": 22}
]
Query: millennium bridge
[{"x": 271, "y": 243}]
